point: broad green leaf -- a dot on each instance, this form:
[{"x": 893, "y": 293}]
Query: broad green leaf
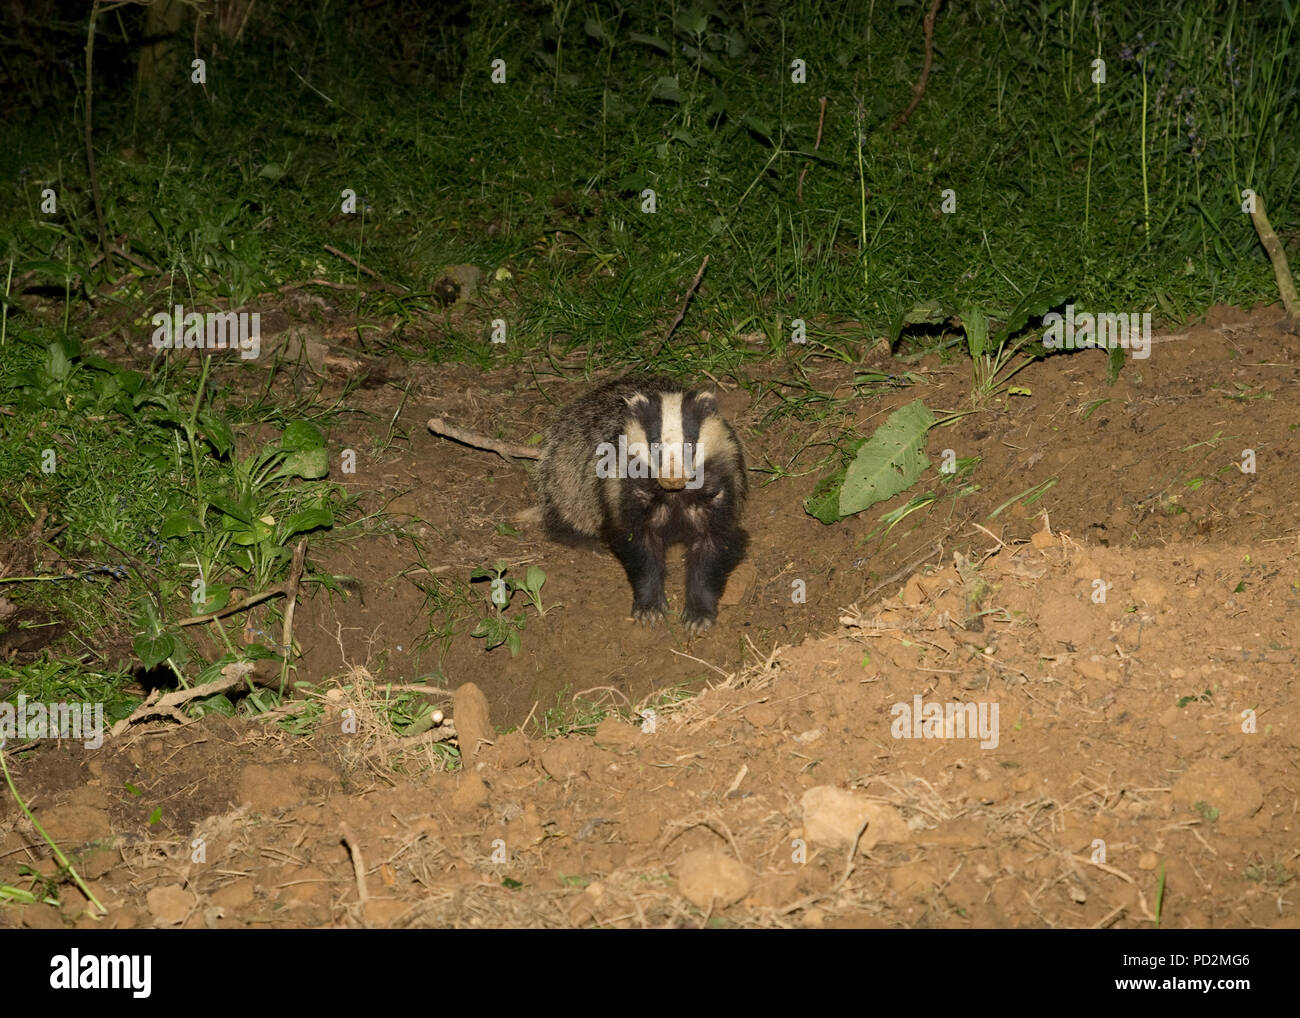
[
  {"x": 308, "y": 519},
  {"x": 218, "y": 598},
  {"x": 154, "y": 650},
  {"x": 61, "y": 271},
  {"x": 653, "y": 41},
  {"x": 217, "y": 432},
  {"x": 758, "y": 126},
  {"x": 666, "y": 88},
  {"x": 976, "y": 324},
  {"x": 824, "y": 503},
  {"x": 309, "y": 464},
  {"x": 301, "y": 435},
  {"x": 249, "y": 534},
  {"x": 1033, "y": 305},
  {"x": 1114, "y": 364},
  {"x": 219, "y": 705},
  {"x": 231, "y": 508},
  {"x": 931, "y": 312},
  {"x": 57, "y": 364},
  {"x": 891, "y": 461},
  {"x": 177, "y": 525},
  {"x": 534, "y": 579}
]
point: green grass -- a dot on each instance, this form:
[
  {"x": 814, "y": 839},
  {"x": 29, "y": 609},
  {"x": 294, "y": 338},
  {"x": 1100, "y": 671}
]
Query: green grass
[
  {"x": 233, "y": 191},
  {"x": 184, "y": 517}
]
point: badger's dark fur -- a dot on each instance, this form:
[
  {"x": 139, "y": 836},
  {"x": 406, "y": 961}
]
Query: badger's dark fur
[{"x": 682, "y": 480}]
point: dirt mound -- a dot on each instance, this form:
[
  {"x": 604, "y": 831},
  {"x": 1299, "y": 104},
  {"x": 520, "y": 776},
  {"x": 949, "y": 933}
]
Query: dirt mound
[{"x": 1042, "y": 734}]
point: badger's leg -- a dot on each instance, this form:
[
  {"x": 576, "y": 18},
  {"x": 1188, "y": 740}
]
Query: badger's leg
[
  {"x": 643, "y": 560},
  {"x": 708, "y": 561}
]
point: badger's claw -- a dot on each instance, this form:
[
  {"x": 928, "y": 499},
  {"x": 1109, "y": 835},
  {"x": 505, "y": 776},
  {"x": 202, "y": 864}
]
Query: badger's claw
[
  {"x": 697, "y": 625},
  {"x": 649, "y": 614}
]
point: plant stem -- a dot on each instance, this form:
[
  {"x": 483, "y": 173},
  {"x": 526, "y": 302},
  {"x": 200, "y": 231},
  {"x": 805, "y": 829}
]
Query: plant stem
[
  {"x": 58, "y": 853},
  {"x": 191, "y": 427},
  {"x": 1146, "y": 194},
  {"x": 90, "y": 148}
]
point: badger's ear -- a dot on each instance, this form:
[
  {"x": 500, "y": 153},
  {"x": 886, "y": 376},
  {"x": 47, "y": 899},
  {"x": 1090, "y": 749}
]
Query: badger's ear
[
  {"x": 707, "y": 402},
  {"x": 637, "y": 401}
]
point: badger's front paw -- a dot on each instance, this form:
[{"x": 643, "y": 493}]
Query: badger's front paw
[
  {"x": 697, "y": 623},
  {"x": 650, "y": 614}
]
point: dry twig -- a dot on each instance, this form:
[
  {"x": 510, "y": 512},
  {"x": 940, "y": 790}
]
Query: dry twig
[
  {"x": 919, "y": 89},
  {"x": 506, "y": 450}
]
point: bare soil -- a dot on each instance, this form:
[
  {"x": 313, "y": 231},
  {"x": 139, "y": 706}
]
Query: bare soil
[{"x": 1133, "y": 627}]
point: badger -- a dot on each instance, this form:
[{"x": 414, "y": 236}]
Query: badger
[{"x": 641, "y": 463}]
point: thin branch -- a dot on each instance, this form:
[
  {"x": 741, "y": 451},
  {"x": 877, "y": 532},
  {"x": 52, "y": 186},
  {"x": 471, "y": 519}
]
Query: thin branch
[
  {"x": 695, "y": 285},
  {"x": 919, "y": 90},
  {"x": 1276, "y": 255}
]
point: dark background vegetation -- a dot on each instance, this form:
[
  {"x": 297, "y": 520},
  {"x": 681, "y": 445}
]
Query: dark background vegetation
[{"x": 1124, "y": 195}]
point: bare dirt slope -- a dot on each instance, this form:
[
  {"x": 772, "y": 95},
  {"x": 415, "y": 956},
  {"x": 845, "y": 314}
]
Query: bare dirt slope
[{"x": 1126, "y": 641}]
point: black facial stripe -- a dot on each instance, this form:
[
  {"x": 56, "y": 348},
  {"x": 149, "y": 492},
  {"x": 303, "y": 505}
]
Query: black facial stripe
[
  {"x": 692, "y": 419},
  {"x": 648, "y": 415}
]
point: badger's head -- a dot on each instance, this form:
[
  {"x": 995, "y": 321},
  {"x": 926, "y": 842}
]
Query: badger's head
[{"x": 674, "y": 435}]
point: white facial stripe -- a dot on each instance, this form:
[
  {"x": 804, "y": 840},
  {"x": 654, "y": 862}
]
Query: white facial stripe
[
  {"x": 672, "y": 436},
  {"x": 638, "y": 445},
  {"x": 673, "y": 428},
  {"x": 713, "y": 442}
]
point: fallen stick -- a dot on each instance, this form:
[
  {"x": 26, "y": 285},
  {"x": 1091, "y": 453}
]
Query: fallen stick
[
  {"x": 317, "y": 282},
  {"x": 352, "y": 261},
  {"x": 358, "y": 864},
  {"x": 445, "y": 732},
  {"x": 234, "y": 609},
  {"x": 232, "y": 675},
  {"x": 1277, "y": 255},
  {"x": 295, "y": 577},
  {"x": 506, "y": 450}
]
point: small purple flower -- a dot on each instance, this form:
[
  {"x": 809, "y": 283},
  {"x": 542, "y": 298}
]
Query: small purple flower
[{"x": 1137, "y": 49}]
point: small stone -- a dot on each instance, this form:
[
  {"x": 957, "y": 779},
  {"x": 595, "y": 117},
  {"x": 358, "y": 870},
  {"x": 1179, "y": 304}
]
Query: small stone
[
  {"x": 170, "y": 904},
  {"x": 832, "y": 816},
  {"x": 563, "y": 759},
  {"x": 712, "y": 879},
  {"x": 617, "y": 735}
]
